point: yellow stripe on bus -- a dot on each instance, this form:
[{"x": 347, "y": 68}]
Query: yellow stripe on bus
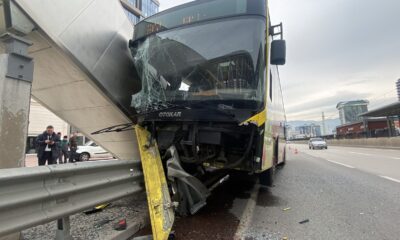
[
  {"x": 259, "y": 119},
  {"x": 158, "y": 198}
]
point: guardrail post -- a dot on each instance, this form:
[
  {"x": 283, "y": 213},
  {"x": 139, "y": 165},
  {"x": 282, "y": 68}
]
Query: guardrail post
[{"x": 63, "y": 229}]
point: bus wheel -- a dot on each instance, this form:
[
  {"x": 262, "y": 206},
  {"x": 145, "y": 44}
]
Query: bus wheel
[{"x": 267, "y": 177}]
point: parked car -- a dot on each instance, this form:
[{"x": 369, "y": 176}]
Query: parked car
[
  {"x": 92, "y": 150},
  {"x": 317, "y": 143}
]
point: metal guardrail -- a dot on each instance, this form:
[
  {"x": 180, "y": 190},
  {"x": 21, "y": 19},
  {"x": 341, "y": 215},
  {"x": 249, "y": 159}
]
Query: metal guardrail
[{"x": 33, "y": 196}]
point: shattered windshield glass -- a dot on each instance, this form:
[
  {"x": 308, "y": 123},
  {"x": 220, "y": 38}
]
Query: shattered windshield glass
[{"x": 217, "y": 61}]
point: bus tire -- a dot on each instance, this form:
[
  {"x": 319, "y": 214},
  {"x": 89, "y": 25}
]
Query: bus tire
[{"x": 267, "y": 177}]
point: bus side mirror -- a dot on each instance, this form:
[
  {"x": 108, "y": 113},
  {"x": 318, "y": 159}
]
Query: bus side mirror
[{"x": 278, "y": 52}]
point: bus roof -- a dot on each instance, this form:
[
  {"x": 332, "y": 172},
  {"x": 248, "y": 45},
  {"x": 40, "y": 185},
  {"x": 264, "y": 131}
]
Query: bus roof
[{"x": 197, "y": 11}]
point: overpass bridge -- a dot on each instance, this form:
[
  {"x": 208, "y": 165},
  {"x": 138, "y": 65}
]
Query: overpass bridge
[{"x": 83, "y": 69}]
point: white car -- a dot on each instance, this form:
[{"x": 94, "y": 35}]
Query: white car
[
  {"x": 317, "y": 143},
  {"x": 92, "y": 150}
]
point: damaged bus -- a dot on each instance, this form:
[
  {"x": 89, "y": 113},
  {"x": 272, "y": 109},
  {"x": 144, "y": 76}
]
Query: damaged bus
[
  {"x": 210, "y": 103},
  {"x": 210, "y": 94}
]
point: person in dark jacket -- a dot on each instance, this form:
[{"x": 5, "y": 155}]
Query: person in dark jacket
[
  {"x": 73, "y": 146},
  {"x": 59, "y": 135},
  {"x": 48, "y": 146},
  {"x": 63, "y": 150}
]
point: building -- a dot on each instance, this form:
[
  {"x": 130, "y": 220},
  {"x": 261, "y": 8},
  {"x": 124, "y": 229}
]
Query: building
[
  {"x": 369, "y": 127},
  {"x": 291, "y": 132},
  {"x": 350, "y": 111},
  {"x": 39, "y": 119},
  {"x": 309, "y": 130},
  {"x": 139, "y": 9}
]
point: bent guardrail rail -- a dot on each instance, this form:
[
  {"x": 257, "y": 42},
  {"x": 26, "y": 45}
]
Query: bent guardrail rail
[{"x": 33, "y": 196}]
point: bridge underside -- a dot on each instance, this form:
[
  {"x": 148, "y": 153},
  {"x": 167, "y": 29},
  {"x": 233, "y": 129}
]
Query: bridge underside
[{"x": 83, "y": 68}]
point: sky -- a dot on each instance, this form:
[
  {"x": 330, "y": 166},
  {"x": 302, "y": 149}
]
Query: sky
[{"x": 337, "y": 50}]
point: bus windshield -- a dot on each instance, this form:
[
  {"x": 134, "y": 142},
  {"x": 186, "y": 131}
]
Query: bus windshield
[{"x": 220, "y": 60}]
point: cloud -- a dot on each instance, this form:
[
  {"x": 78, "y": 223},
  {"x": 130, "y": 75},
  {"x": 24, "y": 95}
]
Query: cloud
[
  {"x": 327, "y": 101},
  {"x": 335, "y": 48},
  {"x": 312, "y": 107}
]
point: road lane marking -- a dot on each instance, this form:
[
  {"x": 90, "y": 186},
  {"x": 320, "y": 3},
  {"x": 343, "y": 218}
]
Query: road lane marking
[
  {"x": 365, "y": 154},
  {"x": 344, "y": 165},
  {"x": 248, "y": 213},
  {"x": 396, "y": 158},
  {"x": 391, "y": 179}
]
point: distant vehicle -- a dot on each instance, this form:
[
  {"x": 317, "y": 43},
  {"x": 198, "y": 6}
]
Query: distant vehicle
[
  {"x": 92, "y": 150},
  {"x": 317, "y": 143}
]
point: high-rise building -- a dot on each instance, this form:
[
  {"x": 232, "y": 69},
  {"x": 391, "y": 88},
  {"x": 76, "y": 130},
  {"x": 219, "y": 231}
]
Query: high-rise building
[
  {"x": 323, "y": 124},
  {"x": 398, "y": 89},
  {"x": 309, "y": 130},
  {"x": 139, "y": 9},
  {"x": 350, "y": 111}
]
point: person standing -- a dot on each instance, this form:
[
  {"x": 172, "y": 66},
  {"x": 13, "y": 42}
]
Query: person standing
[
  {"x": 64, "y": 150},
  {"x": 48, "y": 146},
  {"x": 59, "y": 135},
  {"x": 73, "y": 146}
]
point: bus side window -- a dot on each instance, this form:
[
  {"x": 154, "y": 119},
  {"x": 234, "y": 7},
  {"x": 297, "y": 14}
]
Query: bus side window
[{"x": 270, "y": 85}]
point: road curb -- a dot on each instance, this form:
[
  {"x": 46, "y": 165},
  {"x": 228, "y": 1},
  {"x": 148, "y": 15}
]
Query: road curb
[{"x": 131, "y": 230}]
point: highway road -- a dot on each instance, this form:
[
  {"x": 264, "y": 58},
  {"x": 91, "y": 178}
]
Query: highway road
[
  {"x": 380, "y": 162},
  {"x": 339, "y": 193}
]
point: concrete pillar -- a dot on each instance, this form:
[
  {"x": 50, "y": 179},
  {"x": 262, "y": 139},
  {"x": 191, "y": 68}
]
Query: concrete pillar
[
  {"x": 366, "y": 127},
  {"x": 389, "y": 125},
  {"x": 16, "y": 73}
]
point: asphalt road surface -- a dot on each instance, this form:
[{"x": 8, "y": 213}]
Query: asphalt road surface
[{"x": 339, "y": 193}]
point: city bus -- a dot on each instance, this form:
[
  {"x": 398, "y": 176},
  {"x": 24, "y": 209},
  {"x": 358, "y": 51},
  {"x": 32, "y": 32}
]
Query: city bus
[{"x": 210, "y": 94}]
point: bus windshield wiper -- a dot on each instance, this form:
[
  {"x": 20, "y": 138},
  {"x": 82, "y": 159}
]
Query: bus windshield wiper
[
  {"x": 157, "y": 107},
  {"x": 116, "y": 128},
  {"x": 153, "y": 108}
]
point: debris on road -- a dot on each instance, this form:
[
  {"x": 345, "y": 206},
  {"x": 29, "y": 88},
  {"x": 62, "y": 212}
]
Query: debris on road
[
  {"x": 285, "y": 238},
  {"x": 146, "y": 237},
  {"x": 171, "y": 236},
  {"x": 102, "y": 222},
  {"x": 93, "y": 226},
  {"x": 120, "y": 225},
  {"x": 304, "y": 221},
  {"x": 286, "y": 209},
  {"x": 97, "y": 208}
]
